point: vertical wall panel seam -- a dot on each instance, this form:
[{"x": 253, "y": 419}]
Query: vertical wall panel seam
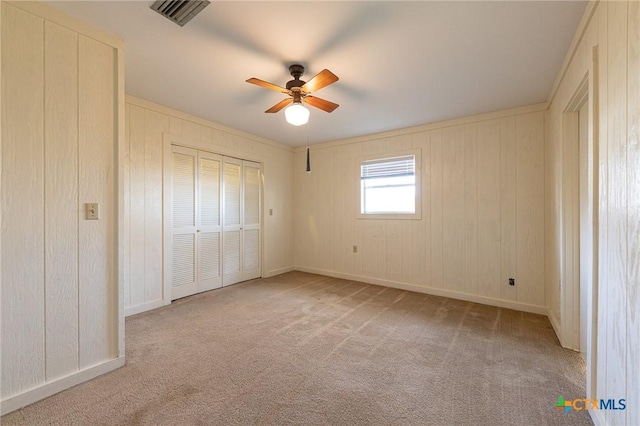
[
  {"x": 608, "y": 191},
  {"x": 144, "y": 209},
  {"x": 626, "y": 179},
  {"x": 466, "y": 243},
  {"x": 129, "y": 212},
  {"x": 604, "y": 59},
  {"x": 442, "y": 282},
  {"x": 500, "y": 221},
  {"x": 78, "y": 204},
  {"x": 44, "y": 191},
  {"x": 475, "y": 143},
  {"x": 515, "y": 202},
  {"x": 544, "y": 208},
  {"x": 1, "y": 110}
]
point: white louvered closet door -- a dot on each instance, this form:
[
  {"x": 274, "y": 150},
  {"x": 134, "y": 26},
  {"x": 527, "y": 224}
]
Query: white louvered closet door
[
  {"x": 196, "y": 226},
  {"x": 251, "y": 221},
  {"x": 183, "y": 222},
  {"x": 215, "y": 221},
  {"x": 209, "y": 222},
  {"x": 232, "y": 229}
]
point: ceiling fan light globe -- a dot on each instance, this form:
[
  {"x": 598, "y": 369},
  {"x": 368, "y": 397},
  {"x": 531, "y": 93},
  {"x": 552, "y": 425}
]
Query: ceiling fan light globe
[{"x": 296, "y": 114}]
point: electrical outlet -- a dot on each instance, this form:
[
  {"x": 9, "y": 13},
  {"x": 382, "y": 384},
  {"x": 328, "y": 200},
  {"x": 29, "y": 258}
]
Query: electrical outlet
[
  {"x": 270, "y": 212},
  {"x": 512, "y": 281},
  {"x": 355, "y": 249},
  {"x": 92, "y": 211}
]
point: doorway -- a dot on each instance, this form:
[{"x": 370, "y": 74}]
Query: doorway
[
  {"x": 585, "y": 235},
  {"x": 579, "y": 274}
]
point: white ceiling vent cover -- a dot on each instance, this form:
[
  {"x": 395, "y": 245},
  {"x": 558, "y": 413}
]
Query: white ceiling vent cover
[{"x": 179, "y": 11}]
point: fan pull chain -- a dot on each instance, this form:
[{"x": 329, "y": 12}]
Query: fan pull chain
[{"x": 308, "y": 156}]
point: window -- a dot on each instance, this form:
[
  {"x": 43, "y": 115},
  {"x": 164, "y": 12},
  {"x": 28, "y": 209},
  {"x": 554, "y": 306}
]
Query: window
[{"x": 389, "y": 187}]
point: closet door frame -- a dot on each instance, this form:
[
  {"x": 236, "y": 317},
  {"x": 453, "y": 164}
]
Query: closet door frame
[{"x": 170, "y": 140}]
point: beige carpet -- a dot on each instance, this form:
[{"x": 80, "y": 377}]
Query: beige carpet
[{"x": 310, "y": 350}]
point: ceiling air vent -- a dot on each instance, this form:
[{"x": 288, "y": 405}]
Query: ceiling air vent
[{"x": 179, "y": 11}]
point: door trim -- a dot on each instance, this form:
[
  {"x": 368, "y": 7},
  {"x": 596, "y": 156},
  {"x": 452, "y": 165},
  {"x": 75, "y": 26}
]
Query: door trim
[{"x": 586, "y": 92}]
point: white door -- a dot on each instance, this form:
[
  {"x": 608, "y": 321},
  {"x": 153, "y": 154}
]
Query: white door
[
  {"x": 215, "y": 221},
  {"x": 183, "y": 222},
  {"x": 251, "y": 221},
  {"x": 209, "y": 221},
  {"x": 232, "y": 230},
  {"x": 196, "y": 227},
  {"x": 241, "y": 240}
]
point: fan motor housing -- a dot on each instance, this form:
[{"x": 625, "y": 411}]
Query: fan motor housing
[
  {"x": 296, "y": 71},
  {"x": 295, "y": 83}
]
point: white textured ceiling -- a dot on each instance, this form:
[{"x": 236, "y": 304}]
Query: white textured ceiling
[{"x": 400, "y": 63}]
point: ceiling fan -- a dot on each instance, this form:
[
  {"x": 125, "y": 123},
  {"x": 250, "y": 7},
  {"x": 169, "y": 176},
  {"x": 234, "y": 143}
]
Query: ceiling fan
[{"x": 300, "y": 93}]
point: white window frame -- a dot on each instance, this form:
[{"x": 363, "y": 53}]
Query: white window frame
[{"x": 417, "y": 215}]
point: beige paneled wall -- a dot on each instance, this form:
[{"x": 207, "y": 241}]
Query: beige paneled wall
[
  {"x": 482, "y": 211},
  {"x": 146, "y": 124},
  {"x": 613, "y": 72},
  {"x": 61, "y": 313}
]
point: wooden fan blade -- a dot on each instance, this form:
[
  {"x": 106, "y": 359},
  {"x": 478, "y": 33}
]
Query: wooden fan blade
[
  {"x": 267, "y": 85},
  {"x": 320, "y": 80},
  {"x": 277, "y": 107},
  {"x": 320, "y": 103}
]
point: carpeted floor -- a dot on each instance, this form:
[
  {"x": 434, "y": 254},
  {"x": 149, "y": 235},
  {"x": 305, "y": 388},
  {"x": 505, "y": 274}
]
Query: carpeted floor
[{"x": 310, "y": 350}]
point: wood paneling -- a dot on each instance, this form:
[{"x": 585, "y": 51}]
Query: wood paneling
[
  {"x": 61, "y": 196},
  {"x": 137, "y": 212},
  {"x": 489, "y": 206},
  {"x": 146, "y": 125},
  {"x": 468, "y": 239},
  {"x": 126, "y": 206},
  {"x": 614, "y": 31},
  {"x": 23, "y": 274},
  {"x": 633, "y": 216},
  {"x": 508, "y": 237},
  {"x": 421, "y": 230},
  {"x": 191, "y": 130},
  {"x": 529, "y": 216},
  {"x": 603, "y": 213},
  {"x": 59, "y": 271},
  {"x": 453, "y": 232},
  {"x": 436, "y": 278},
  {"x": 155, "y": 124},
  {"x": 470, "y": 279},
  {"x": 97, "y": 293},
  {"x": 616, "y": 266}
]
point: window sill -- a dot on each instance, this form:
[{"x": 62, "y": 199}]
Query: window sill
[{"x": 394, "y": 216}]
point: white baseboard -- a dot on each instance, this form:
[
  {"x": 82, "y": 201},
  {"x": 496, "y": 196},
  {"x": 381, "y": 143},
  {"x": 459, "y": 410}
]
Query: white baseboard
[
  {"x": 29, "y": 397},
  {"x": 279, "y": 271},
  {"x": 534, "y": 309},
  {"x": 143, "y": 307}
]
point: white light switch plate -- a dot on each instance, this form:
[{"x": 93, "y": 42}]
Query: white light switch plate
[{"x": 92, "y": 211}]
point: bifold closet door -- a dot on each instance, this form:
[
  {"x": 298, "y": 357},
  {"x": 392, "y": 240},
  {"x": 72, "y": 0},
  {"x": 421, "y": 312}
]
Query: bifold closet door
[
  {"x": 232, "y": 230},
  {"x": 196, "y": 225},
  {"x": 183, "y": 222},
  {"x": 251, "y": 221},
  {"x": 209, "y": 221},
  {"x": 241, "y": 233}
]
